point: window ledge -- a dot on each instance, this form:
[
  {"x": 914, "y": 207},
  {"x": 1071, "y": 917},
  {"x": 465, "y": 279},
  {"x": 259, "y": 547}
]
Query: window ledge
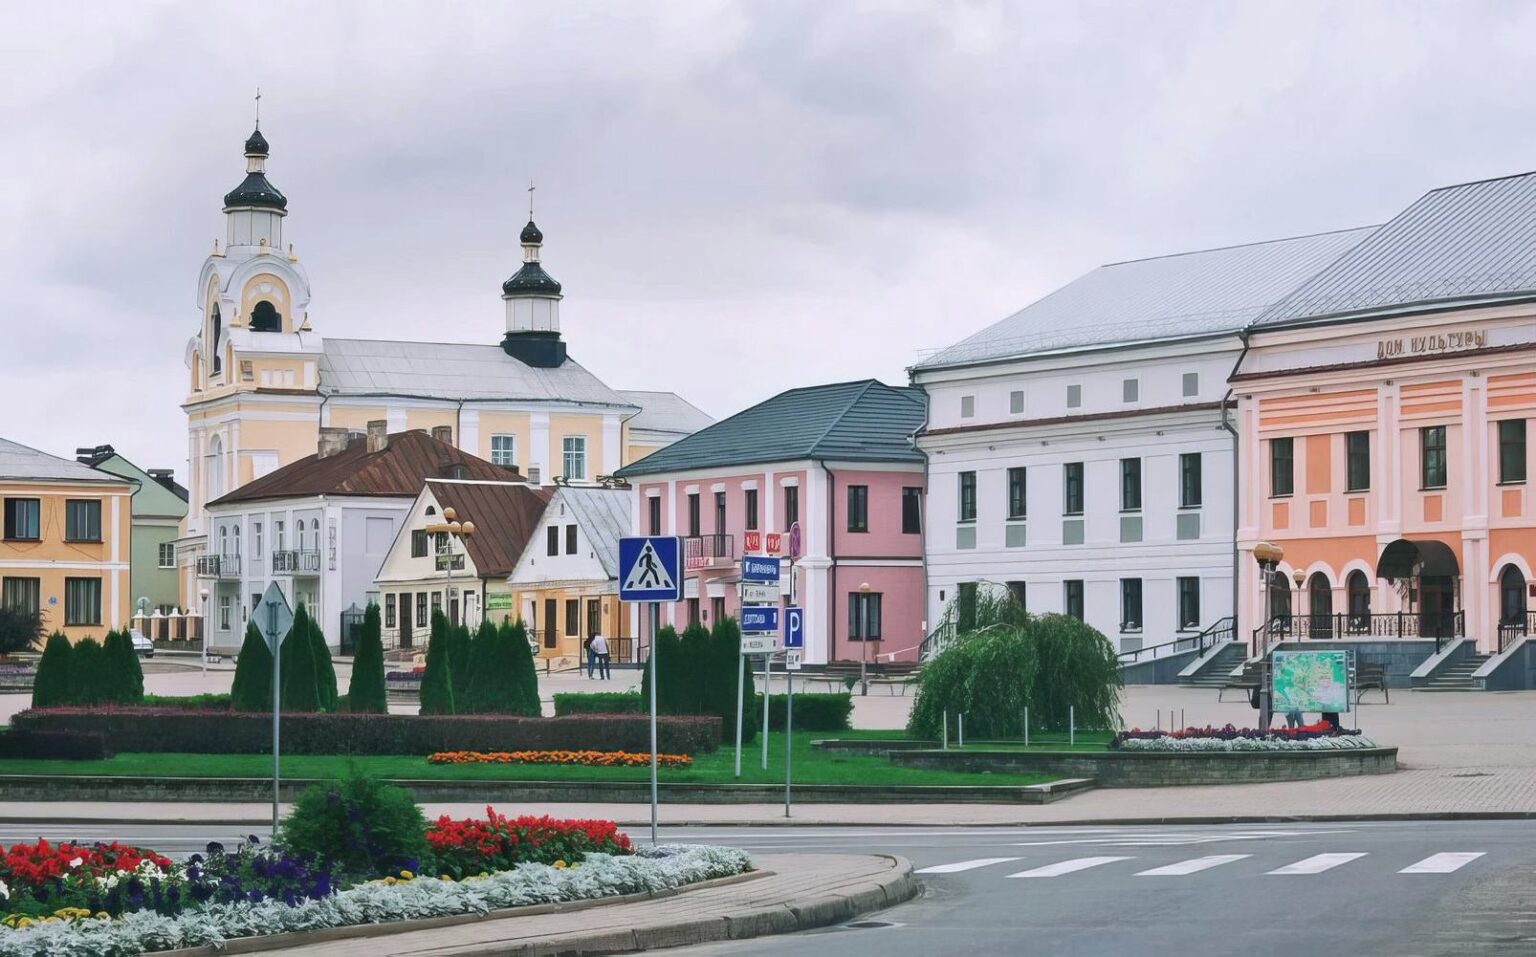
[
  {"x": 1358, "y": 491},
  {"x": 1433, "y": 488},
  {"x": 1016, "y": 518},
  {"x": 82, "y": 541},
  {"x": 1283, "y": 495},
  {"x": 1512, "y": 483}
]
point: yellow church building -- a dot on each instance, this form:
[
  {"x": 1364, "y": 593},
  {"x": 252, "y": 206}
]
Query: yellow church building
[{"x": 262, "y": 382}]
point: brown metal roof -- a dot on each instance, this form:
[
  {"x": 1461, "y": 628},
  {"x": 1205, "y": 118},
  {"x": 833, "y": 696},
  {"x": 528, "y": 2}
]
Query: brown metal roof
[
  {"x": 505, "y": 515},
  {"x": 398, "y": 471}
]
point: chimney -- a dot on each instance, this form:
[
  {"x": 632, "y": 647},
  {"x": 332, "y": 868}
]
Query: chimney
[
  {"x": 378, "y": 435},
  {"x": 332, "y": 441},
  {"x": 166, "y": 477},
  {"x": 534, "y": 475},
  {"x": 443, "y": 434}
]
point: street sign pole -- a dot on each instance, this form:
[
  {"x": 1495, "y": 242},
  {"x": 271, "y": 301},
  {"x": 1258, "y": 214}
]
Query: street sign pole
[
  {"x": 650, "y": 571},
  {"x": 789, "y": 728},
  {"x": 741, "y": 667},
  {"x": 650, "y": 660},
  {"x": 767, "y": 685},
  {"x": 277, "y": 692}
]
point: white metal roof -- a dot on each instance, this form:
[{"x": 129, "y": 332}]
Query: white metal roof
[
  {"x": 1188, "y": 294},
  {"x": 19, "y": 461},
  {"x": 604, "y": 516},
  {"x": 665, "y": 412},
  {"x": 442, "y": 370}
]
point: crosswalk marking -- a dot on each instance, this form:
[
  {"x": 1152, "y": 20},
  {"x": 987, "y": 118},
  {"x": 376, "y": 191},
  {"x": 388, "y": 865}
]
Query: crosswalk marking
[
  {"x": 1068, "y": 867},
  {"x": 1192, "y": 866},
  {"x": 959, "y": 866},
  {"x": 1442, "y": 863},
  {"x": 1317, "y": 863}
]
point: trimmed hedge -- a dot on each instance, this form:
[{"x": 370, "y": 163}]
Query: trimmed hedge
[
  {"x": 215, "y": 732},
  {"x": 813, "y": 712},
  {"x": 54, "y": 745},
  {"x": 196, "y": 702}
]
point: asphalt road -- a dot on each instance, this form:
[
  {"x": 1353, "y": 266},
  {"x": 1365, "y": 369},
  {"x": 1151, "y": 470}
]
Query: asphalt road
[{"x": 1404, "y": 889}]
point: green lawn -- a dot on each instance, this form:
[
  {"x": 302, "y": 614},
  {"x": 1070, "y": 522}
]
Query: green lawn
[{"x": 810, "y": 767}]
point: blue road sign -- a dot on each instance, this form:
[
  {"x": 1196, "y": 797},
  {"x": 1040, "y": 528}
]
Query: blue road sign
[
  {"x": 759, "y": 618},
  {"x": 759, "y": 568},
  {"x": 651, "y": 568},
  {"x": 794, "y": 628}
]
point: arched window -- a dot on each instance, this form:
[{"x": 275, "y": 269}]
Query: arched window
[
  {"x": 223, "y": 539},
  {"x": 1512, "y": 607},
  {"x": 215, "y": 341},
  {"x": 1358, "y": 591},
  {"x": 1320, "y": 605},
  {"x": 314, "y": 533},
  {"x": 235, "y": 539},
  {"x": 1280, "y": 599},
  {"x": 215, "y": 467},
  {"x": 266, "y": 318}
]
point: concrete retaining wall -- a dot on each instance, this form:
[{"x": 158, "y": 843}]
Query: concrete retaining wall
[
  {"x": 1133, "y": 769},
  {"x": 1514, "y": 670},
  {"x": 1159, "y": 671},
  {"x": 40, "y": 787},
  {"x": 1400, "y": 656}
]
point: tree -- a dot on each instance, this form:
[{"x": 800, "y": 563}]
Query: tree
[
  {"x": 437, "y": 682},
  {"x": 489, "y": 689},
  {"x": 520, "y": 670},
  {"x": 122, "y": 678},
  {"x": 325, "y": 668},
  {"x": 20, "y": 630},
  {"x": 51, "y": 686},
  {"x": 86, "y": 670},
  {"x": 366, "y": 693},
  {"x": 301, "y": 689},
  {"x": 252, "y": 690},
  {"x": 668, "y": 647},
  {"x": 459, "y": 651}
]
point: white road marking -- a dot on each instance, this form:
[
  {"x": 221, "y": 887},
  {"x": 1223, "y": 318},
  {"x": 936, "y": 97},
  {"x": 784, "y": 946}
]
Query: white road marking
[
  {"x": 1442, "y": 863},
  {"x": 959, "y": 866},
  {"x": 1068, "y": 867},
  {"x": 1192, "y": 866},
  {"x": 1317, "y": 864}
]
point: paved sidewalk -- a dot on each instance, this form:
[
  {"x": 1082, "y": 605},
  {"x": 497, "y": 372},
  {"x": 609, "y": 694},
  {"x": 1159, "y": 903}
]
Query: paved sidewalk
[{"x": 799, "y": 892}]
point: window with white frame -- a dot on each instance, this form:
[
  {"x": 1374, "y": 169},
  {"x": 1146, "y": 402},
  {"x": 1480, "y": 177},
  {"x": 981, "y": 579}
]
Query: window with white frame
[
  {"x": 504, "y": 450},
  {"x": 167, "y": 554},
  {"x": 255, "y": 539},
  {"x": 574, "y": 449},
  {"x": 225, "y": 603},
  {"x": 1016, "y": 402},
  {"x": 1074, "y": 396},
  {"x": 967, "y": 406}
]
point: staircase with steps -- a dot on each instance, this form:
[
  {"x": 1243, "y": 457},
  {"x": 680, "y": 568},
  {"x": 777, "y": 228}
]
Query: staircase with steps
[
  {"x": 1458, "y": 676},
  {"x": 1219, "y": 668}
]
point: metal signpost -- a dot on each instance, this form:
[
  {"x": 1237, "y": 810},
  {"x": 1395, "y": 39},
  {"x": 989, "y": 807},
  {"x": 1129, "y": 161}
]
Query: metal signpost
[
  {"x": 794, "y": 641},
  {"x": 275, "y": 619},
  {"x": 651, "y": 570},
  {"x": 759, "y": 627}
]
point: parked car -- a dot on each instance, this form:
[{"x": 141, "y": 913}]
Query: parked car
[{"x": 142, "y": 646}]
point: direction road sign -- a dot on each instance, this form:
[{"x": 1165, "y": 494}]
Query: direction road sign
[
  {"x": 650, "y": 568},
  {"x": 760, "y": 618},
  {"x": 759, "y": 594},
  {"x": 759, "y": 644},
  {"x": 273, "y": 616},
  {"x": 794, "y": 628},
  {"x": 759, "y": 568}
]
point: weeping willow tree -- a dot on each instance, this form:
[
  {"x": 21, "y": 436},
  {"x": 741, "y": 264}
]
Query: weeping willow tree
[{"x": 1007, "y": 660}]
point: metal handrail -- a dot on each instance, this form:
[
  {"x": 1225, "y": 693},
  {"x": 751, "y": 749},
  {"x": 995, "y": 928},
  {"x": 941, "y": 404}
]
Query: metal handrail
[
  {"x": 1399, "y": 624},
  {"x": 700, "y": 550},
  {"x": 1223, "y": 629},
  {"x": 290, "y": 561},
  {"x": 1509, "y": 631}
]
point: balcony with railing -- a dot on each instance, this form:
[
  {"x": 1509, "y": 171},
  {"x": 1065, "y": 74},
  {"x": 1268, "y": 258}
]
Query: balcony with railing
[
  {"x": 709, "y": 551},
  {"x": 218, "y": 566},
  {"x": 295, "y": 562},
  {"x": 1439, "y": 626}
]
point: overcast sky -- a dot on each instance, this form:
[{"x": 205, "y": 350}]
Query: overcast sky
[{"x": 738, "y": 198}]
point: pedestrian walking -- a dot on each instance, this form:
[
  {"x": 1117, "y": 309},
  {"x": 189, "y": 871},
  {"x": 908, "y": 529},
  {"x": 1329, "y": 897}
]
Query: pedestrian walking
[
  {"x": 599, "y": 650},
  {"x": 591, "y": 654}
]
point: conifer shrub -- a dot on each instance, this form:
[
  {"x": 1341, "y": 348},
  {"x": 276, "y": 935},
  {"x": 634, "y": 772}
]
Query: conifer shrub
[
  {"x": 87, "y": 673},
  {"x": 252, "y": 690},
  {"x": 459, "y": 650},
  {"x": 51, "y": 686},
  {"x": 123, "y": 680},
  {"x": 486, "y": 686},
  {"x": 301, "y": 688},
  {"x": 520, "y": 668},
  {"x": 325, "y": 667},
  {"x": 366, "y": 693},
  {"x": 437, "y": 680}
]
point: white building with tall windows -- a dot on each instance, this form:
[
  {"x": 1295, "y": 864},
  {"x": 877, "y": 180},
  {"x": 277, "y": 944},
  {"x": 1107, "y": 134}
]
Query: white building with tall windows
[{"x": 1079, "y": 453}]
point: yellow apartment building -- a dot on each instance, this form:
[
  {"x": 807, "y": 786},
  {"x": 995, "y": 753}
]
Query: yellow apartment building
[{"x": 66, "y": 541}]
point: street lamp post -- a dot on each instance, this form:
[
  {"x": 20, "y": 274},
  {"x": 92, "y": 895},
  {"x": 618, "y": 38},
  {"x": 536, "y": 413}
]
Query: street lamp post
[
  {"x": 202, "y": 594},
  {"x": 864, "y": 638},
  {"x": 1268, "y": 555},
  {"x": 450, "y": 525}
]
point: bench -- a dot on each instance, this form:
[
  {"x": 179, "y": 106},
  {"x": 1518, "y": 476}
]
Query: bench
[
  {"x": 1371, "y": 676},
  {"x": 1247, "y": 681}
]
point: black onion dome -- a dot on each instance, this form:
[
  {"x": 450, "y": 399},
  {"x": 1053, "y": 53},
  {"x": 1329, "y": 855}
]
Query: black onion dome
[
  {"x": 256, "y": 191},
  {"x": 257, "y": 144},
  {"x": 531, "y": 234},
  {"x": 531, "y": 280}
]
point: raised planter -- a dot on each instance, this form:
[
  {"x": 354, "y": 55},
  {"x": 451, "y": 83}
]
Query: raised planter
[
  {"x": 40, "y": 787},
  {"x": 1143, "y": 769},
  {"x": 872, "y": 745}
]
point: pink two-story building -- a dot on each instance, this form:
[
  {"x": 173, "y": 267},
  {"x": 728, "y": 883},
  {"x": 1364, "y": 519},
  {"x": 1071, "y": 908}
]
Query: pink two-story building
[{"x": 838, "y": 461}]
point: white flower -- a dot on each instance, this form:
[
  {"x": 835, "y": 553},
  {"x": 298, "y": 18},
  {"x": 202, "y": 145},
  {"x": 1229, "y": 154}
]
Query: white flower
[
  {"x": 76, "y": 862},
  {"x": 5, "y": 891}
]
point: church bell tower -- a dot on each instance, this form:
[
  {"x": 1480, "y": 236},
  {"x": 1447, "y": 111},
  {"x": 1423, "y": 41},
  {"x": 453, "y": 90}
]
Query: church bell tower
[{"x": 533, "y": 307}]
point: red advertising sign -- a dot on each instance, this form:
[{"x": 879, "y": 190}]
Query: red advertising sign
[
  {"x": 774, "y": 546},
  {"x": 752, "y": 542}
]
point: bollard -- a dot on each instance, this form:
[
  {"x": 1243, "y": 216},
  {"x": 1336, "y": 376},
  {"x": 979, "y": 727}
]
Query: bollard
[
  {"x": 944, "y": 734},
  {"x": 960, "y": 725},
  {"x": 1071, "y": 725},
  {"x": 1026, "y": 727},
  {"x": 1158, "y": 721}
]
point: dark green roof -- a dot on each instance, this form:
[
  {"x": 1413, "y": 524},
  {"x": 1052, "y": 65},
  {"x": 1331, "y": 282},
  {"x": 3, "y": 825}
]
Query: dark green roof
[
  {"x": 864, "y": 421},
  {"x": 254, "y": 190},
  {"x": 531, "y": 280}
]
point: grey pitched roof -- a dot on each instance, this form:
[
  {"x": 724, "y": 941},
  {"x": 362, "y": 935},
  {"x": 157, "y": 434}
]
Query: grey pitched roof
[
  {"x": 442, "y": 370},
  {"x": 1207, "y": 292},
  {"x": 1468, "y": 244},
  {"x": 19, "y": 461},
  {"x": 665, "y": 412},
  {"x": 603, "y": 515},
  {"x": 863, "y": 421}
]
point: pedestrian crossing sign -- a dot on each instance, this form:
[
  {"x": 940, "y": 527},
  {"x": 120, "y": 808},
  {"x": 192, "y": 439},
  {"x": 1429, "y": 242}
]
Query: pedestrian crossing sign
[{"x": 650, "y": 568}]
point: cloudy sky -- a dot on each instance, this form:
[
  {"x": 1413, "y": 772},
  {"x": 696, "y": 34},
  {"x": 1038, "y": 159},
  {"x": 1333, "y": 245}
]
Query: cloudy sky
[{"x": 737, "y": 197}]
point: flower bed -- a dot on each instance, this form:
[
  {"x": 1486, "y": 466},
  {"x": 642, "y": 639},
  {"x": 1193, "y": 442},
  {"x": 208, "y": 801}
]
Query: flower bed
[
  {"x": 589, "y": 759},
  {"x": 472, "y": 846},
  {"x": 1313, "y": 737},
  {"x": 600, "y": 875}
]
